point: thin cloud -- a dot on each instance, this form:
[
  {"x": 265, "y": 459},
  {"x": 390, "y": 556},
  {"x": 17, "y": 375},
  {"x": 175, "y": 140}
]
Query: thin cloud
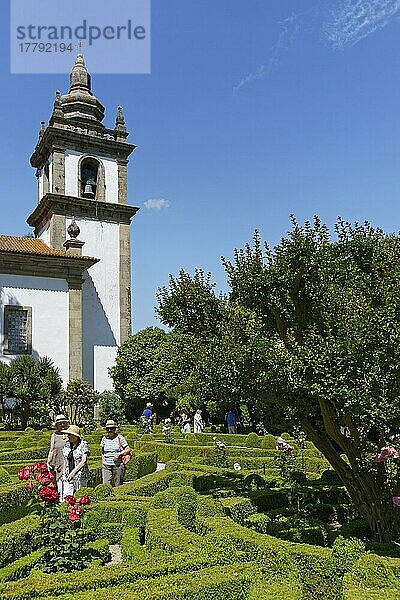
[
  {"x": 288, "y": 28},
  {"x": 258, "y": 74},
  {"x": 156, "y": 203},
  {"x": 352, "y": 21}
]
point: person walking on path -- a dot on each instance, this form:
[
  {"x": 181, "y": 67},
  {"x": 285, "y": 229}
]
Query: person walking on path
[
  {"x": 113, "y": 449},
  {"x": 198, "y": 423},
  {"x": 75, "y": 473},
  {"x": 55, "y": 458},
  {"x": 230, "y": 419}
]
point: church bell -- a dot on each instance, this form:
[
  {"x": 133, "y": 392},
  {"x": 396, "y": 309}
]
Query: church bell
[{"x": 90, "y": 188}]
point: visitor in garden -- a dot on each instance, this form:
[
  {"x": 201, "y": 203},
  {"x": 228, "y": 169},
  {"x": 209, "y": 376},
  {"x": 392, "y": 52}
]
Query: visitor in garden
[
  {"x": 115, "y": 454},
  {"x": 148, "y": 411},
  {"x": 75, "y": 472},
  {"x": 198, "y": 423},
  {"x": 185, "y": 421},
  {"x": 230, "y": 419},
  {"x": 55, "y": 459}
]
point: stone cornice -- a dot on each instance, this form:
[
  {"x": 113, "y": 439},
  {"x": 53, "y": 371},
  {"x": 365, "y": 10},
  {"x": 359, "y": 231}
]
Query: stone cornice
[
  {"x": 69, "y": 268},
  {"x": 58, "y": 204},
  {"x": 81, "y": 140}
]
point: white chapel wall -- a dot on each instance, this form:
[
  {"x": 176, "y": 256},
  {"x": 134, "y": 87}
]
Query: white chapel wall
[
  {"x": 48, "y": 299},
  {"x": 44, "y": 234},
  {"x": 100, "y": 300},
  {"x": 71, "y": 175}
]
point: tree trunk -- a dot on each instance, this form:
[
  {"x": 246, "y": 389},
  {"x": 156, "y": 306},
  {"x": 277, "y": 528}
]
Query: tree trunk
[{"x": 367, "y": 490}]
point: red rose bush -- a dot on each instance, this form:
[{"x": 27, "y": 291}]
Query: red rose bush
[{"x": 62, "y": 523}]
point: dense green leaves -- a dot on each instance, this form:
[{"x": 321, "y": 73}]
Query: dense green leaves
[
  {"x": 150, "y": 367},
  {"x": 35, "y": 385},
  {"x": 79, "y": 400}
]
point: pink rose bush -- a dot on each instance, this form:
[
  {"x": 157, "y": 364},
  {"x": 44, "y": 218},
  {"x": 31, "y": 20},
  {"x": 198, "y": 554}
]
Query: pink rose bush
[
  {"x": 282, "y": 444},
  {"x": 385, "y": 453}
]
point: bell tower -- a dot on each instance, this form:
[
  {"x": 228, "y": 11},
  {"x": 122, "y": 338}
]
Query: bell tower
[{"x": 81, "y": 170}]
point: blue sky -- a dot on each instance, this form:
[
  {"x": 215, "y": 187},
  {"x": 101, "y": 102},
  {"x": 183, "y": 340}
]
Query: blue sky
[{"x": 254, "y": 109}]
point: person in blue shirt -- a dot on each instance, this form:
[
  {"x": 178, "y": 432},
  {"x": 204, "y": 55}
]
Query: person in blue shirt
[
  {"x": 148, "y": 411},
  {"x": 113, "y": 448},
  {"x": 230, "y": 419}
]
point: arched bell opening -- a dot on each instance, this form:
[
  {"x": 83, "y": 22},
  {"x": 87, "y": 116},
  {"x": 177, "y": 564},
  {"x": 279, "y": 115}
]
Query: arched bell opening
[{"x": 91, "y": 179}]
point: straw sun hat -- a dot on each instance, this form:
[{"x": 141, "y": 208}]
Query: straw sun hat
[{"x": 73, "y": 430}]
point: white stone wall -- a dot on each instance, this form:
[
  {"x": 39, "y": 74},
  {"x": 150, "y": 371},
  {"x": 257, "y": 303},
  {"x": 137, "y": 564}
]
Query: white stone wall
[
  {"x": 100, "y": 300},
  {"x": 41, "y": 178},
  {"x": 40, "y": 184},
  {"x": 48, "y": 299},
  {"x": 71, "y": 175},
  {"x": 44, "y": 234}
]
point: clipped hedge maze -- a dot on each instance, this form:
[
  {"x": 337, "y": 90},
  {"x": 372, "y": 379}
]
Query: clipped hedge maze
[{"x": 196, "y": 530}]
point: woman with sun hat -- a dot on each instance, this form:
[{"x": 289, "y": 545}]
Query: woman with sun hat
[{"x": 75, "y": 473}]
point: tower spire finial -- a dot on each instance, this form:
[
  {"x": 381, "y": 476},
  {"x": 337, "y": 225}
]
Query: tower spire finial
[
  {"x": 120, "y": 129},
  {"x": 80, "y": 78}
]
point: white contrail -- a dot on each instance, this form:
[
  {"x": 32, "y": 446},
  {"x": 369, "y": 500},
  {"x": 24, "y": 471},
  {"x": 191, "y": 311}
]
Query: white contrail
[{"x": 289, "y": 27}]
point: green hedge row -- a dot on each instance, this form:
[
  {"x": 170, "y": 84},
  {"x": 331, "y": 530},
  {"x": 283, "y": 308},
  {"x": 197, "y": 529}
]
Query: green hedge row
[
  {"x": 19, "y": 538},
  {"x": 230, "y": 583}
]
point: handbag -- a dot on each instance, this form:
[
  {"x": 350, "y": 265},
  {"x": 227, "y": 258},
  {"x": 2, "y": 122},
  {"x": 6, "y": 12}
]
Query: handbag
[{"x": 126, "y": 457}]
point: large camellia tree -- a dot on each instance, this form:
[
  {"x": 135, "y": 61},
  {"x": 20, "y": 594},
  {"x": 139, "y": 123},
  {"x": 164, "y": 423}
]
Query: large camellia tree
[{"x": 325, "y": 351}]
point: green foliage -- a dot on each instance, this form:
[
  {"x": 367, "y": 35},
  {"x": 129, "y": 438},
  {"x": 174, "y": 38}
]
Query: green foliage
[
  {"x": 345, "y": 553},
  {"x": 268, "y": 441},
  {"x": 111, "y": 407},
  {"x": 64, "y": 543},
  {"x": 253, "y": 441},
  {"x": 19, "y": 538},
  {"x": 189, "y": 304},
  {"x": 80, "y": 398},
  {"x": 239, "y": 509},
  {"x": 186, "y": 508},
  {"x": 103, "y": 490},
  {"x": 150, "y": 367},
  {"x": 36, "y": 386}
]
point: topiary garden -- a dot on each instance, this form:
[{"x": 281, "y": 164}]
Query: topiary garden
[{"x": 227, "y": 518}]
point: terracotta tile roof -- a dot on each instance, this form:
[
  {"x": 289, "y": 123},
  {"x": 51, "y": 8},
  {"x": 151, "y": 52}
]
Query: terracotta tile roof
[{"x": 28, "y": 245}]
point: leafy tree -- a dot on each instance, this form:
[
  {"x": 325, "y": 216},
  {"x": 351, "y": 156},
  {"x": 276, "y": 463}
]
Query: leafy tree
[
  {"x": 149, "y": 367},
  {"x": 332, "y": 313},
  {"x": 4, "y": 383},
  {"x": 79, "y": 401},
  {"x": 189, "y": 304},
  {"x": 111, "y": 407},
  {"x": 35, "y": 385},
  {"x": 310, "y": 337}
]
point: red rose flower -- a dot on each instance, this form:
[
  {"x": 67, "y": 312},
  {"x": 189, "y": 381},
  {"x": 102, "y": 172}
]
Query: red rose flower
[
  {"x": 24, "y": 474},
  {"x": 74, "y": 516},
  {"x": 45, "y": 477},
  {"x": 29, "y": 486},
  {"x": 49, "y": 495},
  {"x": 85, "y": 500},
  {"x": 70, "y": 500},
  {"x": 41, "y": 466}
]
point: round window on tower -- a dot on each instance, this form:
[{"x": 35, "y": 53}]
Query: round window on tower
[{"x": 89, "y": 171}]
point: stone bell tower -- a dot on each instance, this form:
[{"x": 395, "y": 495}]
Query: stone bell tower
[{"x": 81, "y": 169}]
